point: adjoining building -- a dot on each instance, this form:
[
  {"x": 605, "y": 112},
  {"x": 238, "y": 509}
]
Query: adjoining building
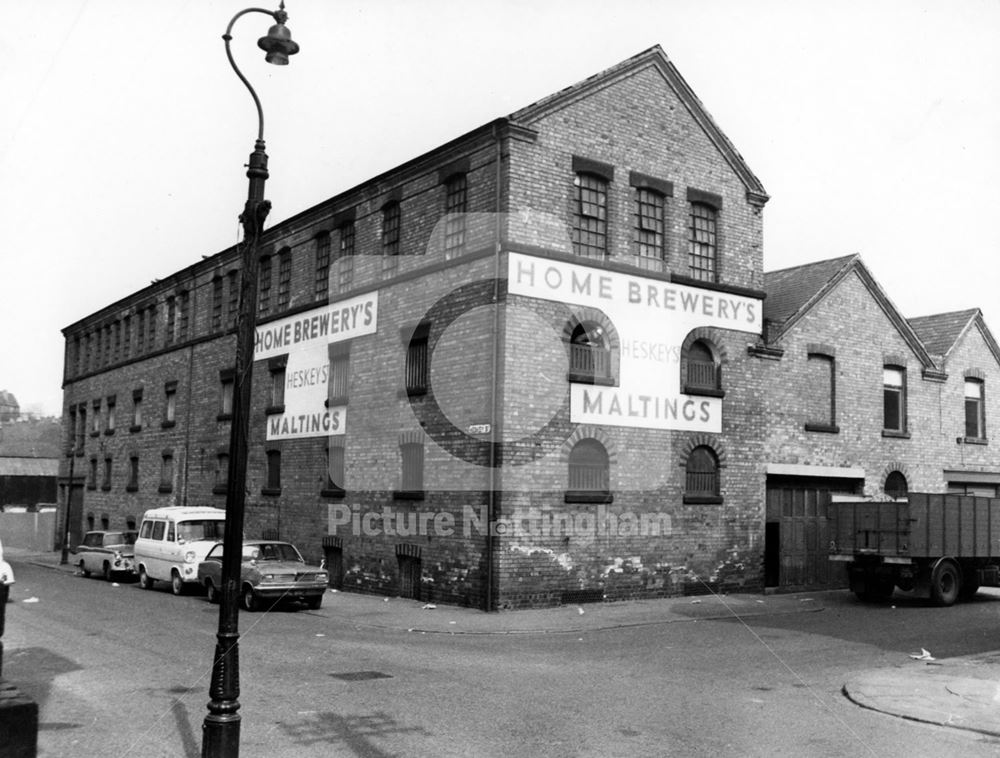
[{"x": 534, "y": 365}]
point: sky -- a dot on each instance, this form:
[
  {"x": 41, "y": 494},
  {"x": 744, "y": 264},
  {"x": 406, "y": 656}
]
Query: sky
[{"x": 874, "y": 127}]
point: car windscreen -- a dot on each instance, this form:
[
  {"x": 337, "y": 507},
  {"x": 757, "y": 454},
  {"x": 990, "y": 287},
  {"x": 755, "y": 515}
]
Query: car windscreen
[
  {"x": 204, "y": 529},
  {"x": 277, "y": 551}
]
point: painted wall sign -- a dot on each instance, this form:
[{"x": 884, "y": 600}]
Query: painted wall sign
[
  {"x": 652, "y": 318},
  {"x": 305, "y": 339}
]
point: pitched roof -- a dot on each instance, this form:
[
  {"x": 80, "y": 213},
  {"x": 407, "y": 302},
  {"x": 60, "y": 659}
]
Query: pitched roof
[
  {"x": 29, "y": 466},
  {"x": 792, "y": 292},
  {"x": 653, "y": 56},
  {"x": 941, "y": 331}
]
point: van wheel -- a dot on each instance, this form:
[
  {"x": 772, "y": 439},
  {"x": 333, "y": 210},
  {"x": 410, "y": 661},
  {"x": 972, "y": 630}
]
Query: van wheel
[
  {"x": 250, "y": 602},
  {"x": 946, "y": 583},
  {"x": 83, "y": 568},
  {"x": 176, "y": 584},
  {"x": 211, "y": 593},
  {"x": 106, "y": 571},
  {"x": 145, "y": 580}
]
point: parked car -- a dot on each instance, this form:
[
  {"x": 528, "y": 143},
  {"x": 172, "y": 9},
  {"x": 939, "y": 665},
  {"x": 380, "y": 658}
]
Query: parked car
[
  {"x": 172, "y": 540},
  {"x": 271, "y": 571},
  {"x": 6, "y": 572},
  {"x": 106, "y": 553}
]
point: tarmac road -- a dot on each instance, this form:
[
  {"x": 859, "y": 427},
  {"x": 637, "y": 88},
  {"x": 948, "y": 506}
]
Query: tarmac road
[{"x": 120, "y": 671}]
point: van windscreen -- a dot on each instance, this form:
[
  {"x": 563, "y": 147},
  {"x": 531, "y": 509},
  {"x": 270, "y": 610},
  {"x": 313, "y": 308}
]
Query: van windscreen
[{"x": 206, "y": 529}]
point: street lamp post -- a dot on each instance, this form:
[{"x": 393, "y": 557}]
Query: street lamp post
[{"x": 221, "y": 728}]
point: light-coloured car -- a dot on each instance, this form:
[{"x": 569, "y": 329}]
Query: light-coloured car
[
  {"x": 106, "y": 553},
  {"x": 271, "y": 572}
]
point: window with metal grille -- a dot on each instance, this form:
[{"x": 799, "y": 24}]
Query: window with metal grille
[
  {"x": 216, "y": 303},
  {"x": 322, "y": 265},
  {"x": 183, "y": 315},
  {"x": 975, "y": 417},
  {"x": 590, "y": 225},
  {"x": 702, "y": 248},
  {"x": 151, "y": 329},
  {"x": 277, "y": 396},
  {"x": 264, "y": 286},
  {"x": 820, "y": 393},
  {"x": 894, "y": 399},
  {"x": 334, "y": 469},
  {"x": 589, "y": 469},
  {"x": 701, "y": 476},
  {"x": 168, "y": 336},
  {"x": 454, "y": 208},
  {"x": 702, "y": 372},
  {"x": 416, "y": 361},
  {"x": 116, "y": 330},
  {"x": 339, "y": 367},
  {"x": 126, "y": 337},
  {"x": 284, "y": 279},
  {"x": 346, "y": 256},
  {"x": 412, "y": 455},
  {"x": 589, "y": 353},
  {"x": 390, "y": 237},
  {"x": 649, "y": 223}
]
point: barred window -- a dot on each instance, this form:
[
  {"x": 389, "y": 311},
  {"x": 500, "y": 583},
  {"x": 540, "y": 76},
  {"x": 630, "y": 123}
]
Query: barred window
[
  {"x": 702, "y": 371},
  {"x": 216, "y": 303},
  {"x": 589, "y": 469},
  {"x": 454, "y": 208},
  {"x": 151, "y": 329},
  {"x": 702, "y": 261},
  {"x": 284, "y": 279},
  {"x": 346, "y": 256},
  {"x": 232, "y": 309},
  {"x": 126, "y": 337},
  {"x": 322, "y": 265},
  {"x": 264, "y": 286},
  {"x": 702, "y": 474},
  {"x": 413, "y": 467},
  {"x": 183, "y": 314},
  {"x": 590, "y": 220},
  {"x": 334, "y": 468},
  {"x": 589, "y": 353},
  {"x": 649, "y": 223},
  {"x": 339, "y": 367}
]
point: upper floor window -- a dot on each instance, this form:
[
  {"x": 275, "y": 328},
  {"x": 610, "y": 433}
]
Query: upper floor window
[
  {"x": 116, "y": 330},
  {"x": 339, "y": 354},
  {"x": 227, "y": 378},
  {"x": 276, "y": 399},
  {"x": 346, "y": 255},
  {"x": 820, "y": 393},
  {"x": 322, "y": 265},
  {"x": 894, "y": 399},
  {"x": 412, "y": 478},
  {"x": 590, "y": 219},
  {"x": 273, "y": 481},
  {"x": 171, "y": 320},
  {"x": 264, "y": 286},
  {"x": 167, "y": 472},
  {"x": 106, "y": 481},
  {"x": 454, "y": 208},
  {"x": 109, "y": 424},
  {"x": 417, "y": 365},
  {"x": 649, "y": 223},
  {"x": 126, "y": 337},
  {"x": 183, "y": 315},
  {"x": 216, "y": 303},
  {"x": 95, "y": 419},
  {"x": 151, "y": 328},
  {"x": 589, "y": 467},
  {"x": 975, "y": 409},
  {"x": 232, "y": 309},
  {"x": 136, "y": 410},
  {"x": 702, "y": 369},
  {"x": 702, "y": 243},
  {"x": 701, "y": 476},
  {"x": 284, "y": 279},
  {"x": 132, "y": 485},
  {"x": 334, "y": 471},
  {"x": 140, "y": 333},
  {"x": 589, "y": 353}
]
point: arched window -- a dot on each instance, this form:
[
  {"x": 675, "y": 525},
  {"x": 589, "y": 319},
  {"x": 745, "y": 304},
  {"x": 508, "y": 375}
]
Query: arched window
[
  {"x": 589, "y": 353},
  {"x": 589, "y": 468},
  {"x": 702, "y": 371},
  {"x": 895, "y": 485},
  {"x": 702, "y": 476}
]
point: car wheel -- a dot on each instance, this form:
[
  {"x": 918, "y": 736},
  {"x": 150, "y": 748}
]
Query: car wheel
[
  {"x": 211, "y": 593},
  {"x": 176, "y": 583},
  {"x": 250, "y": 602},
  {"x": 946, "y": 583},
  {"x": 145, "y": 580},
  {"x": 106, "y": 571},
  {"x": 314, "y": 603},
  {"x": 83, "y": 568}
]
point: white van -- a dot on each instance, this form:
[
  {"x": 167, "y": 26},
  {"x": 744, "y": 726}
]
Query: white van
[{"x": 172, "y": 541}]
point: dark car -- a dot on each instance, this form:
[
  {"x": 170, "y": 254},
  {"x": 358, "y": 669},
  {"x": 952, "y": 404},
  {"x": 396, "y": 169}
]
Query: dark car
[
  {"x": 271, "y": 571},
  {"x": 106, "y": 553}
]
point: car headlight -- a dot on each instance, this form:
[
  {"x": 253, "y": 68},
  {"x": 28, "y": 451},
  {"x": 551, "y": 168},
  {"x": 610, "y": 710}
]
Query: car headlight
[
  {"x": 189, "y": 556},
  {"x": 322, "y": 576}
]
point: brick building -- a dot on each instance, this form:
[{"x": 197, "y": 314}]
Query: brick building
[{"x": 533, "y": 365}]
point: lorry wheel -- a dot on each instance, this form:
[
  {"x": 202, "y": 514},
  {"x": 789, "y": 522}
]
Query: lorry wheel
[{"x": 946, "y": 583}]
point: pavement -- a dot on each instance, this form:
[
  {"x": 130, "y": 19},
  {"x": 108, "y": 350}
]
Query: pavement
[{"x": 962, "y": 693}]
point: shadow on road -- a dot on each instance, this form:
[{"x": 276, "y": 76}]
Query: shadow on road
[{"x": 356, "y": 733}]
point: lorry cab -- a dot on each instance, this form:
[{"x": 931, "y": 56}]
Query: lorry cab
[{"x": 172, "y": 541}]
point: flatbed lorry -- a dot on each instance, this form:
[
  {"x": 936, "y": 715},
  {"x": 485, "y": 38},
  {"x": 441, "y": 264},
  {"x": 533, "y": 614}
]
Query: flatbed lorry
[{"x": 944, "y": 545}]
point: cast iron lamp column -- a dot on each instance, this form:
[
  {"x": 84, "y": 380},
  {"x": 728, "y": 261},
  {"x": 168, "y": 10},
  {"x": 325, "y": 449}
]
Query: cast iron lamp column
[{"x": 221, "y": 728}]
